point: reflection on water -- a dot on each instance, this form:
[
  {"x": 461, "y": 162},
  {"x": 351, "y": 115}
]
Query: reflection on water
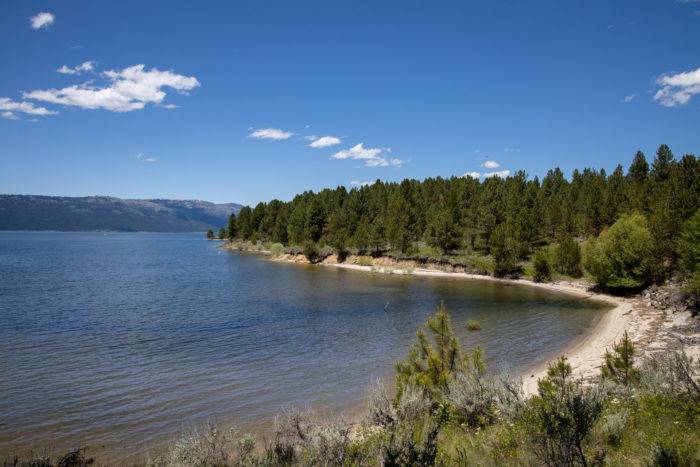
[{"x": 119, "y": 341}]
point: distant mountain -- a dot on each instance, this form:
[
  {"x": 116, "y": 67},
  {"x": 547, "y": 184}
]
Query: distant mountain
[{"x": 29, "y": 212}]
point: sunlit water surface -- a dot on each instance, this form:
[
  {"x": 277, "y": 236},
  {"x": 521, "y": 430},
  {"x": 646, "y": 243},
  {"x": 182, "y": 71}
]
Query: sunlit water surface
[{"x": 120, "y": 341}]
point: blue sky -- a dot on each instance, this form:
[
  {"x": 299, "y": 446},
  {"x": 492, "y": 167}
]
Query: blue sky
[{"x": 427, "y": 88}]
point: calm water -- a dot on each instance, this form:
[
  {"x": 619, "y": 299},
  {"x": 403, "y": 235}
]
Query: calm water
[{"x": 119, "y": 341}]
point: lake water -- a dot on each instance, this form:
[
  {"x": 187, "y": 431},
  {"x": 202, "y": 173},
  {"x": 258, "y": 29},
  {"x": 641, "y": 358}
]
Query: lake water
[{"x": 120, "y": 341}]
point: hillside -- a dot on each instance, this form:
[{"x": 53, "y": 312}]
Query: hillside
[{"x": 29, "y": 212}]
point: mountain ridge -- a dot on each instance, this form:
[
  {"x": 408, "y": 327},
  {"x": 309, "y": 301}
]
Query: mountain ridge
[{"x": 107, "y": 213}]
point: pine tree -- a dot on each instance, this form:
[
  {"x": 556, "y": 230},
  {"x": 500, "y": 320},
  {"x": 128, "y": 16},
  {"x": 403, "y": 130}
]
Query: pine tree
[
  {"x": 232, "y": 229},
  {"x": 568, "y": 256},
  {"x": 432, "y": 361},
  {"x": 222, "y": 233},
  {"x": 398, "y": 223},
  {"x": 296, "y": 224},
  {"x": 661, "y": 167},
  {"x": 245, "y": 223},
  {"x": 505, "y": 252},
  {"x": 619, "y": 365},
  {"x": 210, "y": 234},
  {"x": 315, "y": 220},
  {"x": 638, "y": 174}
]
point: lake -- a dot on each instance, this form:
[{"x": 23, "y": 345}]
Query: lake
[{"x": 119, "y": 341}]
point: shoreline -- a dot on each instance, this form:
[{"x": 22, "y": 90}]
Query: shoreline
[{"x": 650, "y": 329}]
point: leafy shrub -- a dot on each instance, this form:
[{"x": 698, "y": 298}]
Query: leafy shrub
[
  {"x": 621, "y": 257},
  {"x": 294, "y": 250},
  {"x": 472, "y": 325},
  {"x": 563, "y": 414},
  {"x": 543, "y": 272},
  {"x": 311, "y": 252},
  {"x": 276, "y": 249},
  {"x": 567, "y": 257},
  {"x": 364, "y": 261}
]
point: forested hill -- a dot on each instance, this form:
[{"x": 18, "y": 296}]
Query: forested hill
[
  {"x": 506, "y": 220},
  {"x": 28, "y": 212}
]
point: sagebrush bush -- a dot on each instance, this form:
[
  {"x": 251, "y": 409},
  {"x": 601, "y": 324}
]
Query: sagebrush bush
[
  {"x": 614, "y": 426},
  {"x": 481, "y": 400},
  {"x": 674, "y": 373},
  {"x": 276, "y": 249}
]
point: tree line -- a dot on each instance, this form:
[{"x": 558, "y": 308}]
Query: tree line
[{"x": 509, "y": 219}]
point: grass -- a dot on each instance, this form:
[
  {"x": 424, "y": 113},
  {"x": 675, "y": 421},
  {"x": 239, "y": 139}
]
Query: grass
[{"x": 364, "y": 261}]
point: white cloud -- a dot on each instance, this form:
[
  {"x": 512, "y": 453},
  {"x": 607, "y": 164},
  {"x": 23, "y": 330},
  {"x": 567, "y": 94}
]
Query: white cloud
[
  {"x": 491, "y": 165},
  {"x": 10, "y": 108},
  {"x": 324, "y": 142},
  {"x": 676, "y": 90},
  {"x": 511, "y": 150},
  {"x": 271, "y": 133},
  {"x": 628, "y": 98},
  {"x": 472, "y": 175},
  {"x": 500, "y": 173},
  {"x": 129, "y": 89},
  {"x": 76, "y": 70},
  {"x": 143, "y": 158},
  {"x": 360, "y": 183},
  {"x": 41, "y": 20},
  {"x": 371, "y": 156}
]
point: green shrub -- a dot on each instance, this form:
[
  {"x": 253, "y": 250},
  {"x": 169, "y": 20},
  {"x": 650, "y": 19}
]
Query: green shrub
[
  {"x": 472, "y": 325},
  {"x": 563, "y": 414},
  {"x": 311, "y": 252},
  {"x": 543, "y": 272},
  {"x": 276, "y": 249},
  {"x": 621, "y": 257},
  {"x": 567, "y": 257},
  {"x": 364, "y": 261}
]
